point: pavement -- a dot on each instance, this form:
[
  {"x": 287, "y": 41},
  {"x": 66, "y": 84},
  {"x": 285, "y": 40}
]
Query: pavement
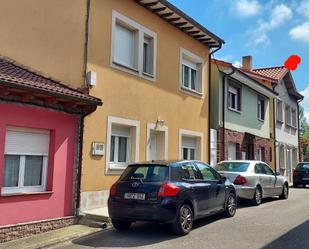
[{"x": 282, "y": 224}]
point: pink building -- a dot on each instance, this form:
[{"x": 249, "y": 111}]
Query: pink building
[{"x": 40, "y": 134}]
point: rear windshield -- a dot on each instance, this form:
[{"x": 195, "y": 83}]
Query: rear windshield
[
  {"x": 303, "y": 166},
  {"x": 232, "y": 166},
  {"x": 145, "y": 173}
]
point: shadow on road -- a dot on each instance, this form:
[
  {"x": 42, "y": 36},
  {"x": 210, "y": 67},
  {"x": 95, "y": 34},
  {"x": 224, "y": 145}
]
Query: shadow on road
[
  {"x": 243, "y": 203},
  {"x": 295, "y": 238}
]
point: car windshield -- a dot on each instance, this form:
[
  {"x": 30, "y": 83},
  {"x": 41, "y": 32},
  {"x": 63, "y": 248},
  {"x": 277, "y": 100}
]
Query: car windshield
[
  {"x": 303, "y": 166},
  {"x": 232, "y": 166},
  {"x": 145, "y": 173}
]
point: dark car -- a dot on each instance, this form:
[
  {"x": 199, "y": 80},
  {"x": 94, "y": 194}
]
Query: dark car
[
  {"x": 301, "y": 175},
  {"x": 174, "y": 192}
]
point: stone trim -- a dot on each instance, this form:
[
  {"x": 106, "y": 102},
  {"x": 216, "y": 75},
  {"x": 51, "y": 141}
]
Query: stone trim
[{"x": 20, "y": 230}]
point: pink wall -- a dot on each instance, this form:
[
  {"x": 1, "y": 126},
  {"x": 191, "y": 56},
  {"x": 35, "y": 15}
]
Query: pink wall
[{"x": 23, "y": 208}]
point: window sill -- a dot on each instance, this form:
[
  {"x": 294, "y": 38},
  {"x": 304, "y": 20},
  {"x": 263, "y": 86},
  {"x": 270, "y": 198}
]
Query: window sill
[
  {"x": 280, "y": 121},
  {"x": 119, "y": 64},
  {"x": 192, "y": 92},
  {"x": 148, "y": 75},
  {"x": 261, "y": 120},
  {"x": 27, "y": 193},
  {"x": 234, "y": 110}
]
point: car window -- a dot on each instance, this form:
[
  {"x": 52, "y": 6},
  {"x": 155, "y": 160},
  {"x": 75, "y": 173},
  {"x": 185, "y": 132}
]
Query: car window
[
  {"x": 303, "y": 166},
  {"x": 146, "y": 173},
  {"x": 268, "y": 170},
  {"x": 259, "y": 169},
  {"x": 207, "y": 172},
  {"x": 232, "y": 166},
  {"x": 189, "y": 172}
]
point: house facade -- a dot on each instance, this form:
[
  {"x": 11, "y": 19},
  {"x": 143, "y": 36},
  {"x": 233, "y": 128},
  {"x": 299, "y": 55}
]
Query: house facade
[
  {"x": 150, "y": 64},
  {"x": 241, "y": 115}
]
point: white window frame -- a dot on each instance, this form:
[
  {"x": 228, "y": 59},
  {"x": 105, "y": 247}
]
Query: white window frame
[
  {"x": 189, "y": 152},
  {"x": 279, "y": 112},
  {"x": 294, "y": 118},
  {"x": 287, "y": 114},
  {"x": 231, "y": 89},
  {"x": 196, "y": 63},
  {"x": 116, "y": 149},
  {"x": 260, "y": 110},
  {"x": 141, "y": 33},
  {"x": 21, "y": 189},
  {"x": 199, "y": 136},
  {"x": 114, "y": 167},
  {"x": 154, "y": 127}
]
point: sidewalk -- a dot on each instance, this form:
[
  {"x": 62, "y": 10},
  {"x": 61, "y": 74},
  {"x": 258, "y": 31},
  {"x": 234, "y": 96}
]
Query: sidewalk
[{"x": 50, "y": 238}]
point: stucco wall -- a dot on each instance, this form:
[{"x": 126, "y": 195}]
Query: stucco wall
[
  {"x": 135, "y": 98},
  {"x": 57, "y": 203},
  {"x": 45, "y": 35}
]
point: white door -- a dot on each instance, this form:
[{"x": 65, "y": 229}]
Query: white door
[
  {"x": 153, "y": 147},
  {"x": 231, "y": 151}
]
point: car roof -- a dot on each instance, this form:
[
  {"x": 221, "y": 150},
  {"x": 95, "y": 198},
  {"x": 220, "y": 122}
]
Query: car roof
[
  {"x": 164, "y": 162},
  {"x": 242, "y": 161}
]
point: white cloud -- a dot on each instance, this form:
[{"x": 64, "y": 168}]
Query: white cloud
[
  {"x": 237, "y": 64},
  {"x": 305, "y": 102},
  {"x": 300, "y": 32},
  {"x": 303, "y": 8},
  {"x": 247, "y": 7}
]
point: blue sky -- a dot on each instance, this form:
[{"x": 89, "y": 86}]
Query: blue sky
[{"x": 269, "y": 30}]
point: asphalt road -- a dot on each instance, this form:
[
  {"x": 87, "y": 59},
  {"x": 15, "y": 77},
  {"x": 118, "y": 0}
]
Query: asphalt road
[{"x": 275, "y": 224}]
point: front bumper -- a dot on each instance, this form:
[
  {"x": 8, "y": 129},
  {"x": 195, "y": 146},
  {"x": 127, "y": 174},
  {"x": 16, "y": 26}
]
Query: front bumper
[
  {"x": 245, "y": 192},
  {"x": 165, "y": 211}
]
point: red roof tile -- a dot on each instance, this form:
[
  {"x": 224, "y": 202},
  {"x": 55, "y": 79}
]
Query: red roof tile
[
  {"x": 272, "y": 72},
  {"x": 19, "y": 76}
]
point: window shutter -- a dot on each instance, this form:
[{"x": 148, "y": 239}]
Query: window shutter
[
  {"x": 26, "y": 143},
  {"x": 189, "y": 142},
  {"x": 120, "y": 130}
]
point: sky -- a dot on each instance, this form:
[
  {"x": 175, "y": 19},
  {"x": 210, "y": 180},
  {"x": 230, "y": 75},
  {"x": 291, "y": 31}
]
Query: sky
[{"x": 268, "y": 30}]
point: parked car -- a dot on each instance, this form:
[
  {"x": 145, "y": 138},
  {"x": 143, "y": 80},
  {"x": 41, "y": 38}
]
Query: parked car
[
  {"x": 174, "y": 192},
  {"x": 301, "y": 175},
  {"x": 254, "y": 180}
]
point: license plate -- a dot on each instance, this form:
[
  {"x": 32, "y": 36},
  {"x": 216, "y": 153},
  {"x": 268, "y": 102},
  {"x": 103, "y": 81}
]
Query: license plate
[
  {"x": 306, "y": 178},
  {"x": 134, "y": 196}
]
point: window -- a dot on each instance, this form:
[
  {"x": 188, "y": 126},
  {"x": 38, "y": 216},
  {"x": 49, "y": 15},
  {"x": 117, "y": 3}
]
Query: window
[
  {"x": 127, "y": 47},
  {"x": 279, "y": 111},
  {"x": 208, "y": 173},
  {"x": 191, "y": 72},
  {"x": 267, "y": 170},
  {"x": 261, "y": 108},
  {"x": 189, "y": 172},
  {"x": 234, "y": 97},
  {"x": 25, "y": 160},
  {"x": 294, "y": 118},
  {"x": 287, "y": 114},
  {"x": 261, "y": 153},
  {"x": 232, "y": 166},
  {"x": 122, "y": 143},
  {"x": 146, "y": 173},
  {"x": 190, "y": 145}
]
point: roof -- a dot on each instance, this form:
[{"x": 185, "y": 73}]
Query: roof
[
  {"x": 182, "y": 21},
  {"x": 19, "y": 76},
  {"x": 23, "y": 85},
  {"x": 276, "y": 73},
  {"x": 257, "y": 75},
  {"x": 163, "y": 162},
  {"x": 241, "y": 161}
]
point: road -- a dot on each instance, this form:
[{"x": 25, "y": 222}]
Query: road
[{"x": 274, "y": 224}]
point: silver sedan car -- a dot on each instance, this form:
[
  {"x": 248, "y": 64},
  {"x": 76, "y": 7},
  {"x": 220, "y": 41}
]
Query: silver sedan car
[{"x": 254, "y": 180}]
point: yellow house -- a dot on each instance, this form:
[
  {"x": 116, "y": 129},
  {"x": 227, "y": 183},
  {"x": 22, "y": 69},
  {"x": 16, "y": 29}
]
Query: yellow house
[{"x": 149, "y": 63}]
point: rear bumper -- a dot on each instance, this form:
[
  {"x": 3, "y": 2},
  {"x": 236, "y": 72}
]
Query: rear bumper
[
  {"x": 245, "y": 192},
  {"x": 159, "y": 212},
  {"x": 300, "y": 181}
]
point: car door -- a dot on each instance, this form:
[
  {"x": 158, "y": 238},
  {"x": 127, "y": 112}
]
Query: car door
[
  {"x": 216, "y": 198},
  {"x": 271, "y": 180},
  {"x": 199, "y": 189},
  {"x": 262, "y": 178}
]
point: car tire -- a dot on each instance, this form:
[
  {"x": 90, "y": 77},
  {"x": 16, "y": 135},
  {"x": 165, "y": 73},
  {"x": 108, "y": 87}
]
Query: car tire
[
  {"x": 285, "y": 192},
  {"x": 230, "y": 206},
  {"x": 121, "y": 225},
  {"x": 184, "y": 220},
  {"x": 257, "y": 198}
]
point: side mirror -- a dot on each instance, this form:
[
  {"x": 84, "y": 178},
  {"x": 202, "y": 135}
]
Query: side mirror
[
  {"x": 223, "y": 178},
  {"x": 277, "y": 174}
]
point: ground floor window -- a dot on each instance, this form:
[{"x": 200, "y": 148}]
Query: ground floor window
[
  {"x": 261, "y": 154},
  {"x": 190, "y": 145},
  {"x": 25, "y": 160}
]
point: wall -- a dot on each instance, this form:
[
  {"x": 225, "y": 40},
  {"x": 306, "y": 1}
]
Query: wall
[
  {"x": 45, "y": 35},
  {"x": 131, "y": 97},
  {"x": 58, "y": 202}
]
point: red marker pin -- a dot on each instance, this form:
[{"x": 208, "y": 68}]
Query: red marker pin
[{"x": 292, "y": 62}]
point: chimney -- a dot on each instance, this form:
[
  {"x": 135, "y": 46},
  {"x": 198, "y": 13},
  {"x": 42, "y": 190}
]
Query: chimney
[{"x": 247, "y": 62}]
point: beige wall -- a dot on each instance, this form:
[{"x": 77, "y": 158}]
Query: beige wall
[
  {"x": 131, "y": 97},
  {"x": 46, "y": 35}
]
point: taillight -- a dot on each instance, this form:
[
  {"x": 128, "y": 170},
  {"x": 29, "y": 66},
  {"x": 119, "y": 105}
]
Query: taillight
[
  {"x": 240, "y": 180},
  {"x": 168, "y": 189},
  {"x": 113, "y": 190}
]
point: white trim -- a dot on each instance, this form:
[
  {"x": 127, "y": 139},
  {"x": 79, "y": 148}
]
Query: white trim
[
  {"x": 117, "y": 168},
  {"x": 141, "y": 32},
  {"x": 188, "y": 56},
  {"x": 195, "y": 134},
  {"x": 154, "y": 127}
]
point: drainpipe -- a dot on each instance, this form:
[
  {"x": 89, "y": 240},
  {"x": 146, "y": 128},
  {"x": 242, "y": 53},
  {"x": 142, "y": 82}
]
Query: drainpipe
[
  {"x": 274, "y": 131},
  {"x": 209, "y": 100},
  {"x": 298, "y": 133},
  {"x": 86, "y": 40}
]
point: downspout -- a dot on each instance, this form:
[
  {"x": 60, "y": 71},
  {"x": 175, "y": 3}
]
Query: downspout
[
  {"x": 209, "y": 99},
  {"x": 274, "y": 131},
  {"x": 299, "y": 145},
  {"x": 86, "y": 41}
]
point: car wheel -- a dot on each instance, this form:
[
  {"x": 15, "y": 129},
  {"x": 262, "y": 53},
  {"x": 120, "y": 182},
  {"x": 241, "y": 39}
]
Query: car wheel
[
  {"x": 231, "y": 205},
  {"x": 121, "y": 224},
  {"x": 285, "y": 192},
  {"x": 184, "y": 220},
  {"x": 257, "y": 198}
]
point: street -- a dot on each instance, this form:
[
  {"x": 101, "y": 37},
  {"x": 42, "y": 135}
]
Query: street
[{"x": 274, "y": 224}]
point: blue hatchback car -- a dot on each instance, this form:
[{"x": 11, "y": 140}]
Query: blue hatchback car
[{"x": 174, "y": 192}]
